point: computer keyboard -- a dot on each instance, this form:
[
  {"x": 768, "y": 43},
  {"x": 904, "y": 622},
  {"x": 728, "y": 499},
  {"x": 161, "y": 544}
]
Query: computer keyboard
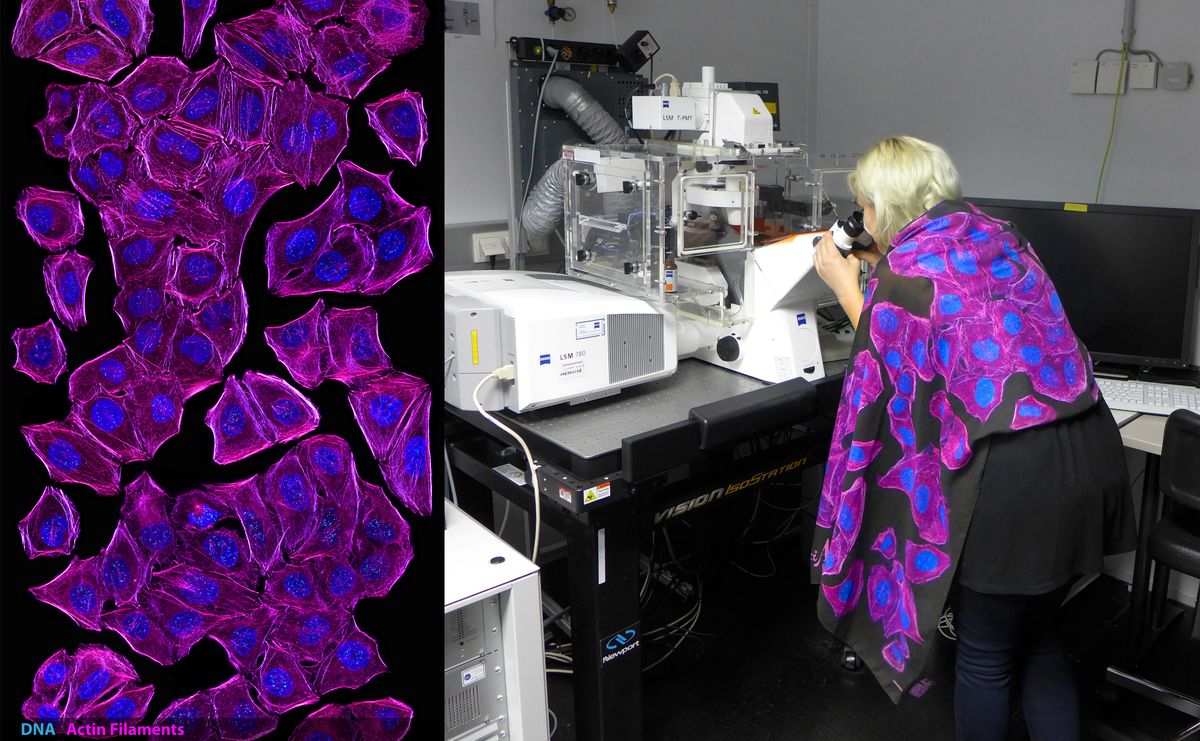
[{"x": 1148, "y": 398}]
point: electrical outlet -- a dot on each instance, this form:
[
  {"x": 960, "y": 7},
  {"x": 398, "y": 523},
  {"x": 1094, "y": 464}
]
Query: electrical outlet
[
  {"x": 1109, "y": 78},
  {"x": 1083, "y": 77},
  {"x": 485, "y": 245},
  {"x": 1143, "y": 75},
  {"x": 1177, "y": 75}
]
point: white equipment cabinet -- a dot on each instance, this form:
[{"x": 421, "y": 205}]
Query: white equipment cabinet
[{"x": 495, "y": 679}]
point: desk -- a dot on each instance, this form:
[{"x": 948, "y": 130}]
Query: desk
[{"x": 646, "y": 462}]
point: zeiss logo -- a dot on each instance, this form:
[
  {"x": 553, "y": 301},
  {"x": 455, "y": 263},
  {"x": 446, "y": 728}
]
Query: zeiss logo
[
  {"x": 620, "y": 639},
  {"x": 666, "y": 104},
  {"x": 801, "y": 319},
  {"x": 543, "y": 360}
]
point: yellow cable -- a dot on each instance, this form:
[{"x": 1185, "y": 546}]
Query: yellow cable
[{"x": 1112, "y": 128}]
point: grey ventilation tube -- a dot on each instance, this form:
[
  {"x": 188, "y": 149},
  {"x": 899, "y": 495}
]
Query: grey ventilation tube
[{"x": 543, "y": 209}]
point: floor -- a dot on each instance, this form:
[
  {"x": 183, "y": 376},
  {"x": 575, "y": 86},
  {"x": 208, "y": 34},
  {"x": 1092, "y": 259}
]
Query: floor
[{"x": 764, "y": 669}]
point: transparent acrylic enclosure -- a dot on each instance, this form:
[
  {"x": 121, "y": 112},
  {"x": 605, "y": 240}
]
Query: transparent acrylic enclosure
[{"x": 626, "y": 207}]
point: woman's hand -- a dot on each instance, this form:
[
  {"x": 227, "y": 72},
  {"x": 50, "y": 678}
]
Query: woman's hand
[{"x": 840, "y": 274}]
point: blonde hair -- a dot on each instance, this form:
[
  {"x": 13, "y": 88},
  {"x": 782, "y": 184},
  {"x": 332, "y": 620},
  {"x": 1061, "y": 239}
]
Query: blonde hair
[{"x": 902, "y": 177}]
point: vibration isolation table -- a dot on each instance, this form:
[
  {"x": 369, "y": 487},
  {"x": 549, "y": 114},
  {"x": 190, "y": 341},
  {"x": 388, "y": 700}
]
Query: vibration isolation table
[{"x": 612, "y": 468}]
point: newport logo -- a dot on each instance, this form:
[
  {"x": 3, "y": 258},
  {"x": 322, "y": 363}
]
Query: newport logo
[
  {"x": 619, "y": 644},
  {"x": 544, "y": 359},
  {"x": 620, "y": 639}
]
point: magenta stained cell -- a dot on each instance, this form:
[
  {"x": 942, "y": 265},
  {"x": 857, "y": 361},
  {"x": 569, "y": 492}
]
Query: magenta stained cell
[
  {"x": 344, "y": 61},
  {"x": 302, "y": 346},
  {"x": 93, "y": 53},
  {"x": 372, "y": 720},
  {"x": 392, "y": 27},
  {"x": 103, "y": 120},
  {"x": 42, "y": 22},
  {"x": 238, "y": 715},
  {"x": 267, "y": 45},
  {"x": 401, "y": 124},
  {"x": 354, "y": 349},
  {"x": 246, "y": 108},
  {"x": 393, "y": 412},
  {"x": 73, "y": 456},
  {"x": 196, "y": 14},
  {"x": 51, "y": 527},
  {"x": 41, "y": 354},
  {"x": 307, "y": 132},
  {"x": 129, "y": 21},
  {"x": 94, "y": 683},
  {"x": 153, "y": 87},
  {"x": 66, "y": 277},
  {"x": 176, "y": 153},
  {"x": 53, "y": 218},
  {"x": 123, "y": 568},
  {"x": 313, "y": 12},
  {"x": 77, "y": 591},
  {"x": 281, "y": 683},
  {"x": 255, "y": 413},
  {"x": 60, "y": 119}
]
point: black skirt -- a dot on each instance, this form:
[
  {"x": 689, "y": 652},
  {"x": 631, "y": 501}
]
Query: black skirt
[{"x": 1053, "y": 501}]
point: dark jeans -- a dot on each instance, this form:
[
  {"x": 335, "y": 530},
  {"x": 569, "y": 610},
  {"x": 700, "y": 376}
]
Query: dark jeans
[{"x": 1002, "y": 637}]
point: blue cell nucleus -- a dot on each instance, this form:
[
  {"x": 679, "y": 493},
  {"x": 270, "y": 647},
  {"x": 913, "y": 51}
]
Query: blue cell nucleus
[
  {"x": 390, "y": 245},
  {"x": 318, "y": 5},
  {"x": 85, "y": 174},
  {"x": 1002, "y": 269},
  {"x": 892, "y": 358},
  {"x": 121, "y": 709},
  {"x": 1049, "y": 375},
  {"x": 162, "y": 409},
  {"x": 846, "y": 518},
  {"x": 293, "y": 491},
  {"x": 925, "y": 561},
  {"x": 202, "y": 103},
  {"x": 203, "y": 515},
  {"x": 106, "y": 121},
  {"x": 148, "y": 97},
  {"x": 116, "y": 573},
  {"x": 300, "y": 244},
  {"x": 949, "y": 304},
  {"x": 83, "y": 598},
  {"x": 296, "y": 140},
  {"x": 250, "y": 54},
  {"x": 116, "y": 18},
  {"x": 322, "y": 125},
  {"x": 846, "y": 591},
  {"x": 932, "y": 263},
  {"x": 155, "y": 205},
  {"x": 144, "y": 302},
  {"x": 985, "y": 392},
  {"x": 883, "y": 593},
  {"x": 327, "y": 460},
  {"x": 112, "y": 370},
  {"x": 244, "y": 718},
  {"x": 1031, "y": 354},
  {"x": 138, "y": 251},
  {"x": 47, "y": 712},
  {"x": 94, "y": 684},
  {"x": 253, "y": 527},
  {"x": 313, "y": 630},
  {"x": 341, "y": 581},
  {"x": 201, "y": 268},
  {"x": 921, "y": 498},
  {"x": 63, "y": 455},
  {"x": 278, "y": 682},
  {"x": 899, "y": 405},
  {"x": 136, "y": 625},
  {"x": 298, "y": 585},
  {"x": 196, "y": 348},
  {"x": 372, "y": 568},
  {"x": 243, "y": 639},
  {"x": 331, "y": 267},
  {"x": 53, "y": 531},
  {"x": 52, "y": 25},
  {"x": 414, "y": 456},
  {"x": 250, "y": 112},
  {"x": 286, "y": 411},
  {"x": 41, "y": 352},
  {"x": 81, "y": 54},
  {"x": 362, "y": 344},
  {"x": 233, "y": 420},
  {"x": 239, "y": 196},
  {"x": 147, "y": 336},
  {"x": 198, "y": 589},
  {"x": 111, "y": 165},
  {"x": 1029, "y": 411},
  {"x": 1012, "y": 323},
  {"x": 379, "y": 530},
  {"x": 907, "y": 477},
  {"x": 223, "y": 549},
  {"x": 217, "y": 315},
  {"x": 389, "y": 718},
  {"x": 963, "y": 262},
  {"x": 185, "y": 622},
  {"x": 986, "y": 350},
  {"x": 386, "y": 410},
  {"x": 351, "y": 67},
  {"x": 107, "y": 414},
  {"x": 157, "y": 536},
  {"x": 354, "y": 655},
  {"x": 69, "y": 287},
  {"x": 405, "y": 122},
  {"x": 277, "y": 42},
  {"x": 41, "y": 217},
  {"x": 55, "y": 673},
  {"x": 364, "y": 203},
  {"x": 293, "y": 335}
]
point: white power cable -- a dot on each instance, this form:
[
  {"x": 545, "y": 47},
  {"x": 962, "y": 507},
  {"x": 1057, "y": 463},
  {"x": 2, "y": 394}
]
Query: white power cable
[{"x": 507, "y": 373}]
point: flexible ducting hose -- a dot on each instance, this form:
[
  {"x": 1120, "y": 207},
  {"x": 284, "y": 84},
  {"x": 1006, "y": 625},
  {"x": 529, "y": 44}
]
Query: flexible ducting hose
[{"x": 544, "y": 207}]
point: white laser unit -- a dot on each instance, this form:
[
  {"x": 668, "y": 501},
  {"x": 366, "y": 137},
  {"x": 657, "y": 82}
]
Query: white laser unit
[{"x": 568, "y": 340}]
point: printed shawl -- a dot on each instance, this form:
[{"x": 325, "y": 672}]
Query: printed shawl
[{"x": 962, "y": 336}]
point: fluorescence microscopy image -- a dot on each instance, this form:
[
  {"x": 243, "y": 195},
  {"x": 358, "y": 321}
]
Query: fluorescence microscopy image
[{"x": 210, "y": 537}]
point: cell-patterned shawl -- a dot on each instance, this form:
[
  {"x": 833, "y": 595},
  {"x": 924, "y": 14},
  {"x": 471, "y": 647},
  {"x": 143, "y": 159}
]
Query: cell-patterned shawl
[{"x": 962, "y": 336}]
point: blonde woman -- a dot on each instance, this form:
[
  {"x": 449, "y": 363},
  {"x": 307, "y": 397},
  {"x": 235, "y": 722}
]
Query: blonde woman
[{"x": 971, "y": 445}]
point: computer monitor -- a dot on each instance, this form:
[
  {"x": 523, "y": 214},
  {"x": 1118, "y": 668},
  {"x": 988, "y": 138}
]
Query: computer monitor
[{"x": 1126, "y": 275}]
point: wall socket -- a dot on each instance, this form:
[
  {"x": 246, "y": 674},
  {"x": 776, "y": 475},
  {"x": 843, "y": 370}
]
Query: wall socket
[
  {"x": 485, "y": 245},
  {"x": 1083, "y": 77},
  {"x": 1109, "y": 78},
  {"x": 1143, "y": 75}
]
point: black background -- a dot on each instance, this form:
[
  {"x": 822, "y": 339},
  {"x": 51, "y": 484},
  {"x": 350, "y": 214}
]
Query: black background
[{"x": 407, "y": 622}]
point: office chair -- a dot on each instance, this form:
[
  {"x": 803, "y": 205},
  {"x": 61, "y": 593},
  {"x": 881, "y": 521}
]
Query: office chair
[{"x": 1174, "y": 542}]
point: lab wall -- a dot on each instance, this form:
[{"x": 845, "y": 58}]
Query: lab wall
[
  {"x": 759, "y": 41},
  {"x": 988, "y": 81}
]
